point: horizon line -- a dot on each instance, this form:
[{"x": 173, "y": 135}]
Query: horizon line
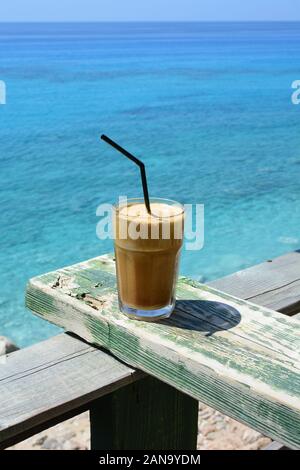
[{"x": 144, "y": 21}]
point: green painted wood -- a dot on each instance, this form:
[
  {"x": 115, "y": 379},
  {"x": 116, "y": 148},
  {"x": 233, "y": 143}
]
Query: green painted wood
[
  {"x": 145, "y": 415},
  {"x": 237, "y": 357}
]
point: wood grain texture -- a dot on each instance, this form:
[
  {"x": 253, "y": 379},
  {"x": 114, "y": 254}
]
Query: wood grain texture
[
  {"x": 145, "y": 415},
  {"x": 51, "y": 378},
  {"x": 274, "y": 284},
  {"x": 239, "y": 358}
]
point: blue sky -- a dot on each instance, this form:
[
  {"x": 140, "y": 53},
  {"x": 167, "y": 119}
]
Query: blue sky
[{"x": 149, "y": 10}]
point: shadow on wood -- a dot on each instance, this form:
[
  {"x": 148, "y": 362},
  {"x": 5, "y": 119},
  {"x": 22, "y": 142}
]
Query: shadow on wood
[{"x": 204, "y": 315}]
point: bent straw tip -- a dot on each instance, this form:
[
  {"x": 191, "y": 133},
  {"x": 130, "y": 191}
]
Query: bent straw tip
[{"x": 137, "y": 162}]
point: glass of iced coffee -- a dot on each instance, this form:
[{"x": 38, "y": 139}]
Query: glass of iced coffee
[{"x": 147, "y": 251}]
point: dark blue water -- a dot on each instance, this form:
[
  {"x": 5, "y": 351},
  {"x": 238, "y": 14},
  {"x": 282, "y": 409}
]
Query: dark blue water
[{"x": 207, "y": 106}]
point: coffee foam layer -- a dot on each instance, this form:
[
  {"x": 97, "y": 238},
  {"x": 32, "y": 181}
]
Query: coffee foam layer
[{"x": 138, "y": 211}]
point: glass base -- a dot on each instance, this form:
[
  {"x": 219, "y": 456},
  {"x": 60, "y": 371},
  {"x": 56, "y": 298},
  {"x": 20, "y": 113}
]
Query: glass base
[{"x": 147, "y": 315}]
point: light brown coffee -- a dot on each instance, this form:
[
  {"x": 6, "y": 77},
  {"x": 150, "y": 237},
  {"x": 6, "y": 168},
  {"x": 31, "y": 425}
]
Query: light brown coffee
[{"x": 147, "y": 249}]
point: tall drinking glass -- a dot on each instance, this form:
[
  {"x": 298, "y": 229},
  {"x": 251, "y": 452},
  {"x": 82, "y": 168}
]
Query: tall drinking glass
[{"x": 147, "y": 251}]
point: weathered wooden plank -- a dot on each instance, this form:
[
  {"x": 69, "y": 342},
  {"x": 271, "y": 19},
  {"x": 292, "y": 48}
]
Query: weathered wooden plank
[
  {"x": 235, "y": 356},
  {"x": 145, "y": 415},
  {"x": 52, "y": 378},
  {"x": 287, "y": 263},
  {"x": 274, "y": 284}
]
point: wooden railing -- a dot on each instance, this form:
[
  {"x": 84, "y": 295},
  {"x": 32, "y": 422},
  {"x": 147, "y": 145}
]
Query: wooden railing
[{"x": 51, "y": 381}]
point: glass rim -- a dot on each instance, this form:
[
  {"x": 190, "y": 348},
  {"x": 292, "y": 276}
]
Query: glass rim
[{"x": 171, "y": 202}]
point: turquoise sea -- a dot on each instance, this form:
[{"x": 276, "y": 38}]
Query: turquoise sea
[{"x": 206, "y": 105}]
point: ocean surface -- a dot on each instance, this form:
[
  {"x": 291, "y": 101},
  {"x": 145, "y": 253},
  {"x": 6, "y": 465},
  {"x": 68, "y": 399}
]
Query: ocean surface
[{"x": 206, "y": 105}]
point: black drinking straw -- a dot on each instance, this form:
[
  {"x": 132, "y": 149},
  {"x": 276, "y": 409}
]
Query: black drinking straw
[{"x": 137, "y": 162}]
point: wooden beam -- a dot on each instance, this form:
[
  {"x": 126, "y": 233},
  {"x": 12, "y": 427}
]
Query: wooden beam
[
  {"x": 274, "y": 284},
  {"x": 145, "y": 415},
  {"x": 238, "y": 284},
  {"x": 237, "y": 357},
  {"x": 51, "y": 379}
]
